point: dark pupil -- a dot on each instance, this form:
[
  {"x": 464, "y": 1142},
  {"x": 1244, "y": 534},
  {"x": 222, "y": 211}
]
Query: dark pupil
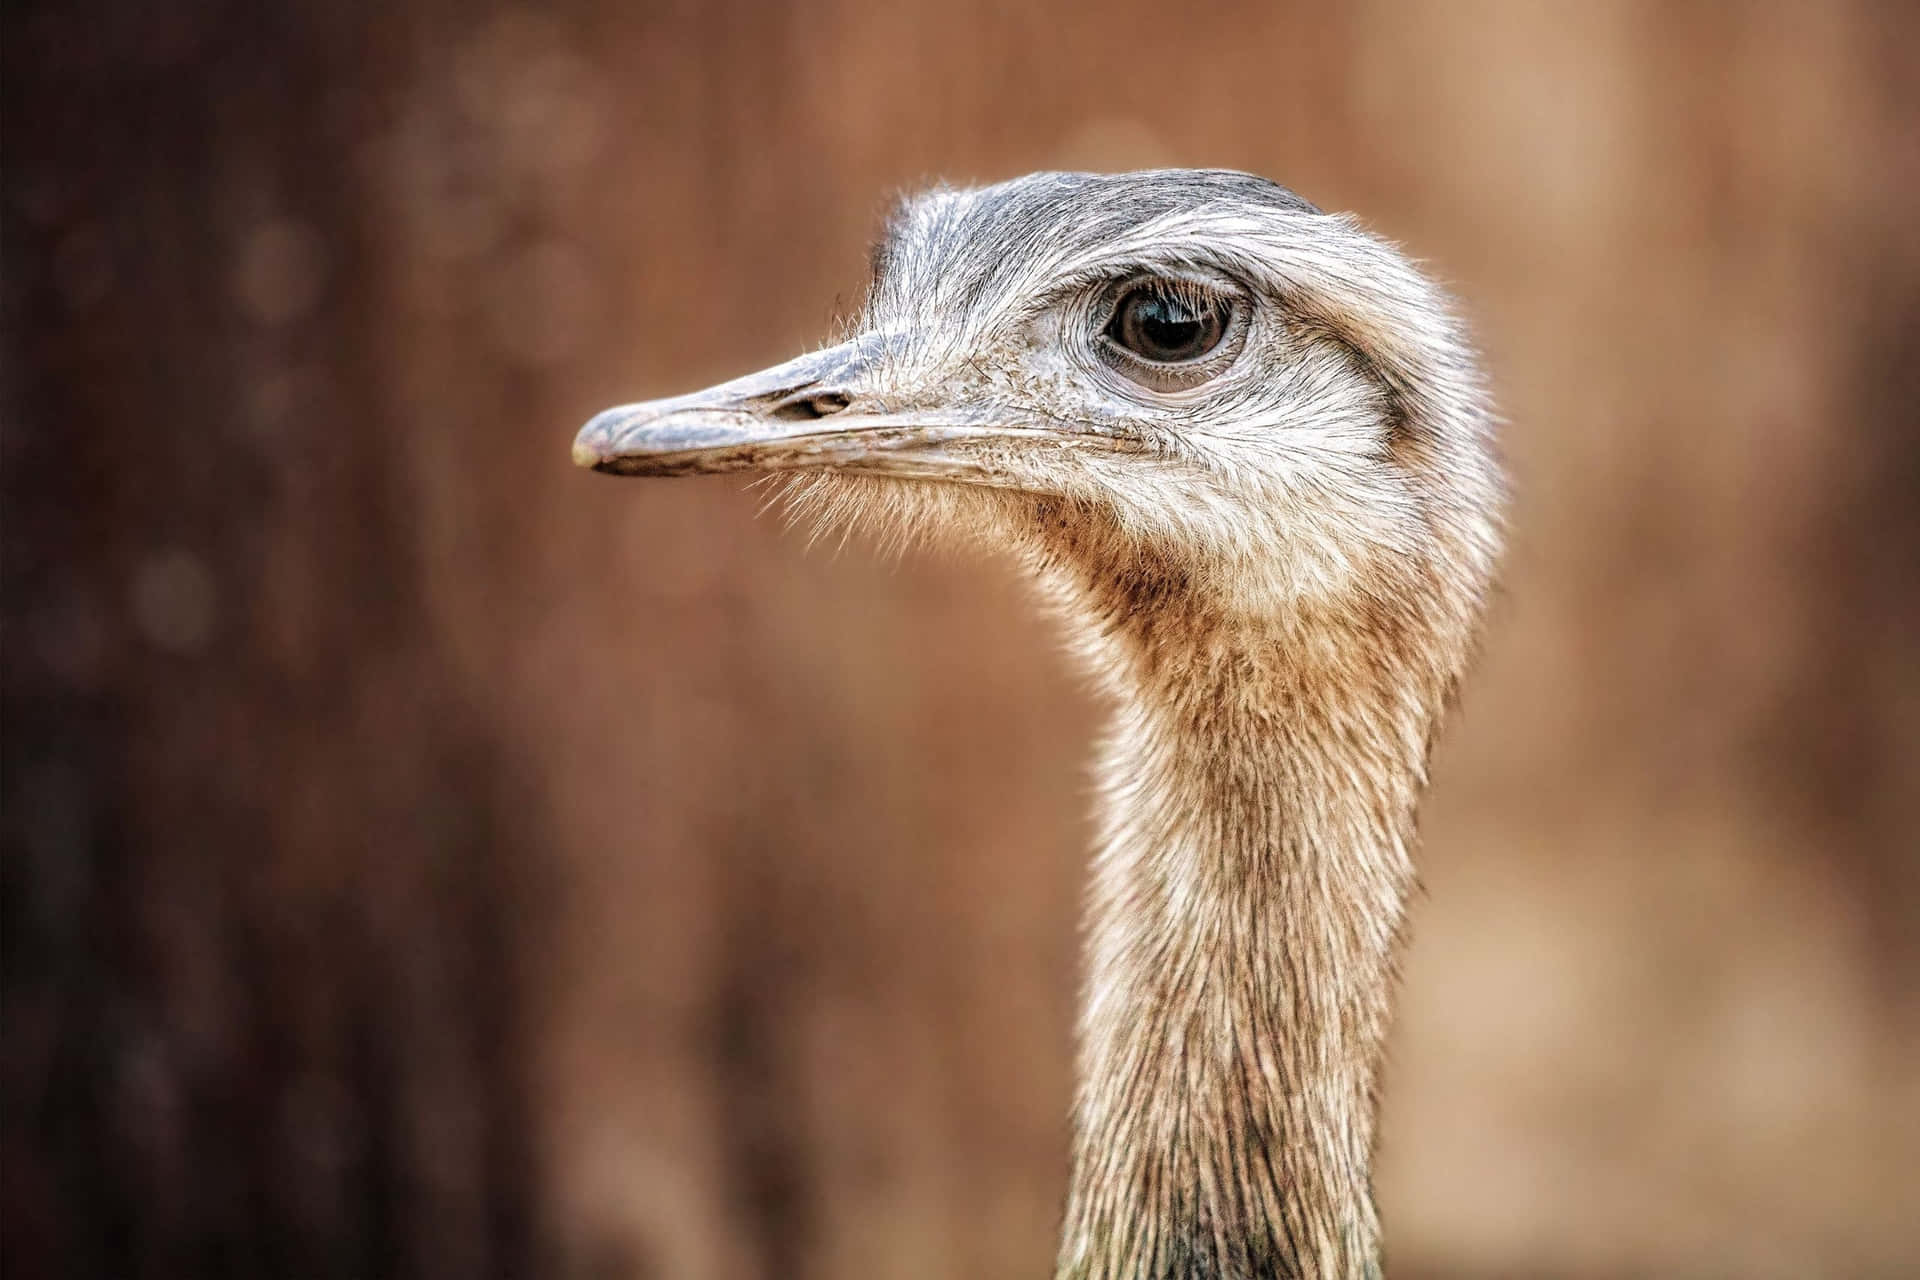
[{"x": 1164, "y": 329}]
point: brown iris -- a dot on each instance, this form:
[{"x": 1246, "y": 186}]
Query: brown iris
[{"x": 1166, "y": 326}]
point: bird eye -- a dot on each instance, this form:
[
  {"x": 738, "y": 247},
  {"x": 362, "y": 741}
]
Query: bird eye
[
  {"x": 1167, "y": 325},
  {"x": 1171, "y": 334}
]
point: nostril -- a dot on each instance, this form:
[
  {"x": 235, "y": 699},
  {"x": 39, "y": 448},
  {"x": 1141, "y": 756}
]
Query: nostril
[{"x": 820, "y": 404}]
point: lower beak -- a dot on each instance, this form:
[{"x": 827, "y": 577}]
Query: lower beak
[{"x": 810, "y": 413}]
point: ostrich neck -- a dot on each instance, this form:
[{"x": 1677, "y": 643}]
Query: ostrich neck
[{"x": 1248, "y": 893}]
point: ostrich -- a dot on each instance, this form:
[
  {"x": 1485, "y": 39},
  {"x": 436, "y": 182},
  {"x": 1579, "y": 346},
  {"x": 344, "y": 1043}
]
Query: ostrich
[{"x": 1242, "y": 447}]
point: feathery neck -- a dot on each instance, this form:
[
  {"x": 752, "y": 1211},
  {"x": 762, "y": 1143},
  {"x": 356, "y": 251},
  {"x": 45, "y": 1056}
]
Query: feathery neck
[{"x": 1259, "y": 781}]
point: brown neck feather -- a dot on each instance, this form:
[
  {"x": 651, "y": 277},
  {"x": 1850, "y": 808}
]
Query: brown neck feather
[{"x": 1259, "y": 779}]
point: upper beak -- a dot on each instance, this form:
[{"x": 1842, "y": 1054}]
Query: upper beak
[{"x": 810, "y": 412}]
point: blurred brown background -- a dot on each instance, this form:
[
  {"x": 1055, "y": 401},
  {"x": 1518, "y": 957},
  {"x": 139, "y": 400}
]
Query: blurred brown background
[{"x": 425, "y": 859}]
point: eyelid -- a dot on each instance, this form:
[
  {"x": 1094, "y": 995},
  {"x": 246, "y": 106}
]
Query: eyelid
[{"x": 1170, "y": 377}]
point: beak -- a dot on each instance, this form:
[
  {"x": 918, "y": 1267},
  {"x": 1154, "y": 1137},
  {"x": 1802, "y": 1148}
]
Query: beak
[{"x": 811, "y": 412}]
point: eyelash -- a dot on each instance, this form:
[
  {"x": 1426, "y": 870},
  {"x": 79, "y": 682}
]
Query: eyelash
[{"x": 1189, "y": 293}]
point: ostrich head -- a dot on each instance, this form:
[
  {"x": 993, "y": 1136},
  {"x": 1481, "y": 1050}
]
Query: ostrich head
[
  {"x": 1184, "y": 380},
  {"x": 1244, "y": 448}
]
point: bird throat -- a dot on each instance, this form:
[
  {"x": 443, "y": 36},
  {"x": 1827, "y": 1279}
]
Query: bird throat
[{"x": 1247, "y": 900}]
